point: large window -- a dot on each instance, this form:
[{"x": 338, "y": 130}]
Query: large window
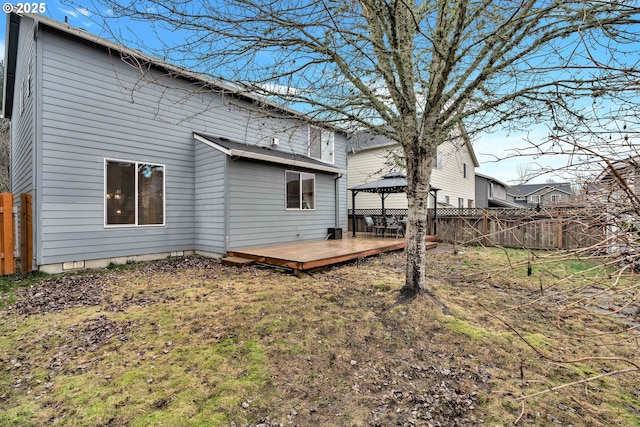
[
  {"x": 134, "y": 193},
  {"x": 301, "y": 190},
  {"x": 321, "y": 144}
]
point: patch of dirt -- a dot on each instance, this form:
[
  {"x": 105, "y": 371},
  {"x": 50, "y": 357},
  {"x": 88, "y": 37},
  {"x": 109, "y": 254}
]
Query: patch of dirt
[{"x": 61, "y": 293}]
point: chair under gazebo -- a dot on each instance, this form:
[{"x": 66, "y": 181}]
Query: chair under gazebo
[{"x": 391, "y": 183}]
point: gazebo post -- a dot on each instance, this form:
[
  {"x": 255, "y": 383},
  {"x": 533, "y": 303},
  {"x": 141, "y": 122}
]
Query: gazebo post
[{"x": 353, "y": 212}]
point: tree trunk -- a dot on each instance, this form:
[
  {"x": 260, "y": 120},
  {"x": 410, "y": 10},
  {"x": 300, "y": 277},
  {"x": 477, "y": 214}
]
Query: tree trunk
[
  {"x": 419, "y": 162},
  {"x": 418, "y": 177}
]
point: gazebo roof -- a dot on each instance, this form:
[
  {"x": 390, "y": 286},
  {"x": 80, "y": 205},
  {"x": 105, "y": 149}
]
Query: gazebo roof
[{"x": 393, "y": 182}]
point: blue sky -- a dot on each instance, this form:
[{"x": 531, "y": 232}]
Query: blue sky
[{"x": 488, "y": 147}]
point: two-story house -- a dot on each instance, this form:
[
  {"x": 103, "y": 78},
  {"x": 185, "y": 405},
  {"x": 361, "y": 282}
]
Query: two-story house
[
  {"x": 370, "y": 157},
  {"x": 543, "y": 195},
  {"x": 129, "y": 157},
  {"x": 492, "y": 193}
]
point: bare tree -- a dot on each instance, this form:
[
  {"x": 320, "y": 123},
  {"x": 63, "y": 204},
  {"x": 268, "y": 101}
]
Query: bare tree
[{"x": 410, "y": 70}]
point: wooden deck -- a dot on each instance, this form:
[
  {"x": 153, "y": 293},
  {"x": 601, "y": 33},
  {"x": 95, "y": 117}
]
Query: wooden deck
[{"x": 312, "y": 254}]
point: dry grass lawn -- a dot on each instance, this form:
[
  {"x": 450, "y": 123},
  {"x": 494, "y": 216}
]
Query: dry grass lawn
[{"x": 185, "y": 342}]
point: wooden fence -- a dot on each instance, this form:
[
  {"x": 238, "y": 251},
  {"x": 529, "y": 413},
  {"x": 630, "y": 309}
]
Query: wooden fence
[
  {"x": 552, "y": 228},
  {"x": 8, "y": 234}
]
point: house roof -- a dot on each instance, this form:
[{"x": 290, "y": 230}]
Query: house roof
[
  {"x": 265, "y": 154},
  {"x": 13, "y": 22},
  {"x": 527, "y": 189},
  {"x": 504, "y": 203},
  {"x": 365, "y": 140},
  {"x": 490, "y": 178},
  {"x": 394, "y": 182}
]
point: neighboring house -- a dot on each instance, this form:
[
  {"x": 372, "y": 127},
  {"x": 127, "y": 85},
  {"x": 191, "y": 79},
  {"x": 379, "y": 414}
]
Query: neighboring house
[
  {"x": 491, "y": 193},
  {"x": 618, "y": 182},
  {"x": 128, "y": 157},
  {"x": 371, "y": 157},
  {"x": 543, "y": 195}
]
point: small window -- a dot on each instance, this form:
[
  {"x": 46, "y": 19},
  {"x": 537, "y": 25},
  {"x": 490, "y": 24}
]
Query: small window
[
  {"x": 521, "y": 198},
  {"x": 446, "y": 199},
  {"x": 535, "y": 199},
  {"x": 300, "y": 191},
  {"x": 470, "y": 203},
  {"x": 464, "y": 170},
  {"x": 460, "y": 202},
  {"x": 134, "y": 194},
  {"x": 491, "y": 190},
  {"x": 555, "y": 198},
  {"x": 321, "y": 144},
  {"x": 438, "y": 165}
]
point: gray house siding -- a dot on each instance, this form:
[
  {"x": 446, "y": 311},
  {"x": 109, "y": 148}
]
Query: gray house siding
[
  {"x": 23, "y": 128},
  {"x": 257, "y": 214},
  {"x": 210, "y": 204},
  {"x": 482, "y": 192},
  {"x": 93, "y": 105},
  {"x": 86, "y": 120}
]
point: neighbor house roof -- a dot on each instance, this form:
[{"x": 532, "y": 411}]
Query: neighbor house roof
[
  {"x": 527, "y": 189},
  {"x": 265, "y": 154},
  {"x": 13, "y": 22},
  {"x": 492, "y": 179}
]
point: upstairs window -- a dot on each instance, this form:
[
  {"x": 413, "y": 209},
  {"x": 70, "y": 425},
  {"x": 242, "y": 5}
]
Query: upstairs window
[
  {"x": 134, "y": 194},
  {"x": 301, "y": 190},
  {"x": 535, "y": 199},
  {"x": 460, "y": 202},
  {"x": 464, "y": 170},
  {"x": 321, "y": 144},
  {"x": 438, "y": 164}
]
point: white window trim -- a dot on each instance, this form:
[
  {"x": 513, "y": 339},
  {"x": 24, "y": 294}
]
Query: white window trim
[
  {"x": 315, "y": 198},
  {"x": 535, "y": 198},
  {"x": 332, "y": 140},
  {"x": 164, "y": 194}
]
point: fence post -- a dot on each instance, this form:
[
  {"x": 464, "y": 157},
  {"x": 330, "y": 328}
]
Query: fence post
[
  {"x": 485, "y": 227},
  {"x": 26, "y": 234},
  {"x": 559, "y": 232},
  {"x": 7, "y": 263}
]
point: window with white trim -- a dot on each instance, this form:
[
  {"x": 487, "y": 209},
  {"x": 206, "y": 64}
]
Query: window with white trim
[
  {"x": 464, "y": 170},
  {"x": 535, "y": 198},
  {"x": 300, "y": 190},
  {"x": 134, "y": 193},
  {"x": 555, "y": 198},
  {"x": 460, "y": 202},
  {"x": 321, "y": 144}
]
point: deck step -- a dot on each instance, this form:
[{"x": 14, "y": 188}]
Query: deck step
[
  {"x": 235, "y": 261},
  {"x": 431, "y": 238},
  {"x": 432, "y": 245}
]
